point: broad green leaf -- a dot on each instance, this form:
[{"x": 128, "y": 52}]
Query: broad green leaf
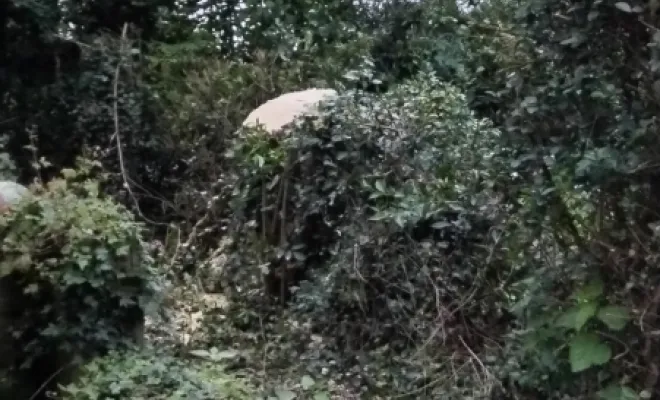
[
  {"x": 590, "y": 291},
  {"x": 617, "y": 392},
  {"x": 68, "y": 173},
  {"x": 567, "y": 318},
  {"x": 615, "y": 317},
  {"x": 584, "y": 313},
  {"x": 321, "y": 396},
  {"x": 586, "y": 350},
  {"x": 307, "y": 382},
  {"x": 220, "y": 355},
  {"x": 577, "y": 316},
  {"x": 623, "y": 6},
  {"x": 284, "y": 394}
]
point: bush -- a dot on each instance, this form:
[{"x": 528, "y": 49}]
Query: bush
[
  {"x": 148, "y": 375},
  {"x": 203, "y": 101},
  {"x": 387, "y": 207},
  {"x": 75, "y": 276}
]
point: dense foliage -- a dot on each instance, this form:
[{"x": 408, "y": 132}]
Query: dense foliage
[
  {"x": 315, "y": 200},
  {"x": 148, "y": 375},
  {"x": 476, "y": 215},
  {"x": 76, "y": 276}
]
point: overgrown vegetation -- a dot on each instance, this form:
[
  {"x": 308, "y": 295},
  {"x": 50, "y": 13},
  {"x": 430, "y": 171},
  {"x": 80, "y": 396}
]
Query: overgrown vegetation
[
  {"x": 475, "y": 217},
  {"x": 76, "y": 277},
  {"x": 146, "y": 375}
]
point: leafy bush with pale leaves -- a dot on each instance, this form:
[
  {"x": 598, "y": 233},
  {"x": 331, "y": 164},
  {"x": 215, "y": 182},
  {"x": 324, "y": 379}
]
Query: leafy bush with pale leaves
[
  {"x": 75, "y": 265},
  {"x": 148, "y": 375}
]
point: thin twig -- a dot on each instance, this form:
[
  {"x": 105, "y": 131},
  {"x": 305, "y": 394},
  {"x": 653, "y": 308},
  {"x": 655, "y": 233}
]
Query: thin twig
[
  {"x": 116, "y": 135},
  {"x": 478, "y": 360},
  {"x": 50, "y": 379}
]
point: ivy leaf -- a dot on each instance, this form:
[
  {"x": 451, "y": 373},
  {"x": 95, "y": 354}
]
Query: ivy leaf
[
  {"x": 615, "y": 317},
  {"x": 586, "y": 350},
  {"x": 321, "y": 396},
  {"x": 68, "y": 173},
  {"x": 618, "y": 392},
  {"x": 115, "y": 388}
]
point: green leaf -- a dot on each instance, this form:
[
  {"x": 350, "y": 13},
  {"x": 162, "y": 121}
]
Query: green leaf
[
  {"x": 576, "y": 317},
  {"x": 441, "y": 225},
  {"x": 284, "y": 394},
  {"x": 615, "y": 317},
  {"x": 618, "y": 392},
  {"x": 307, "y": 382},
  {"x": 586, "y": 350},
  {"x": 260, "y": 161},
  {"x": 567, "y": 318},
  {"x": 68, "y": 173},
  {"x": 623, "y": 6},
  {"x": 321, "y": 396},
  {"x": 590, "y": 291},
  {"x": 584, "y": 313}
]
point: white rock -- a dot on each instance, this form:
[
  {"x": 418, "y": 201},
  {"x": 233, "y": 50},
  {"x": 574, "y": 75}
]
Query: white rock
[
  {"x": 11, "y": 193},
  {"x": 274, "y": 114}
]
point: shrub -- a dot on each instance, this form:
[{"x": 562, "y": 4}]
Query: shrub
[
  {"x": 75, "y": 276},
  {"x": 203, "y": 101},
  {"x": 387, "y": 207},
  {"x": 148, "y": 375}
]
